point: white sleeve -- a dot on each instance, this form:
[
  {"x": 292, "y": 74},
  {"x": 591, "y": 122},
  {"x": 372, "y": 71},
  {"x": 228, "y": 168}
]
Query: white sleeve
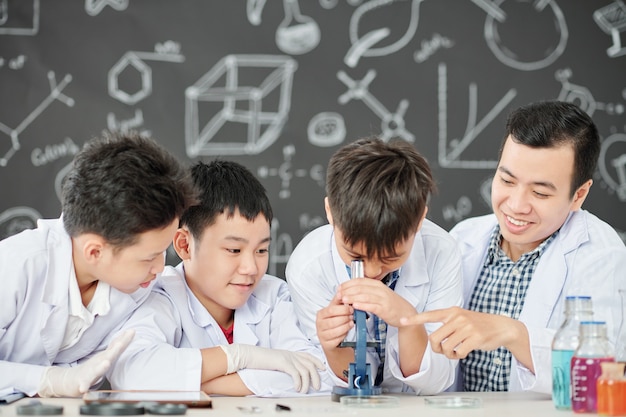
[{"x": 153, "y": 359}]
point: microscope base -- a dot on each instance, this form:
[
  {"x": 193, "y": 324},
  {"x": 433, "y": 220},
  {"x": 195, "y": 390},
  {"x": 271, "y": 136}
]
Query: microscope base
[{"x": 339, "y": 392}]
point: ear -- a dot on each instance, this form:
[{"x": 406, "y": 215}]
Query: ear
[
  {"x": 580, "y": 195},
  {"x": 329, "y": 215},
  {"x": 182, "y": 243},
  {"x": 92, "y": 247}
]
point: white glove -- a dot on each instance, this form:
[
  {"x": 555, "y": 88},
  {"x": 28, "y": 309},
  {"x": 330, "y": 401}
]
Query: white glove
[
  {"x": 74, "y": 381},
  {"x": 300, "y": 365}
]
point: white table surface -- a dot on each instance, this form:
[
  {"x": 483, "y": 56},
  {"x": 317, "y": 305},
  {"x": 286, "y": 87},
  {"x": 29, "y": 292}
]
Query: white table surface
[{"x": 493, "y": 405}]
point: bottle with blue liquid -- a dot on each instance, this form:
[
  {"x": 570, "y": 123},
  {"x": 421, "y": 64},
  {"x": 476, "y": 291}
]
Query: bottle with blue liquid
[{"x": 565, "y": 342}]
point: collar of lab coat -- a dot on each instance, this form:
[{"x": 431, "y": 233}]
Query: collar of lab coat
[
  {"x": 56, "y": 293},
  {"x": 246, "y": 316},
  {"x": 549, "y": 277},
  {"x": 60, "y": 264}
]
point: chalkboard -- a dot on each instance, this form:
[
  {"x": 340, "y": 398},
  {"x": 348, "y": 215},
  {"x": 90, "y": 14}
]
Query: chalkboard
[{"x": 280, "y": 85}]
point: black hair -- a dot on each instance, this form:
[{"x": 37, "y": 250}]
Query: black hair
[
  {"x": 225, "y": 186},
  {"x": 549, "y": 124},
  {"x": 378, "y": 192},
  {"x": 122, "y": 185}
]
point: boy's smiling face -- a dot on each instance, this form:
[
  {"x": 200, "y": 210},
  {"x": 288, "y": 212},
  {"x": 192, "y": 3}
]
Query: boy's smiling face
[{"x": 223, "y": 267}]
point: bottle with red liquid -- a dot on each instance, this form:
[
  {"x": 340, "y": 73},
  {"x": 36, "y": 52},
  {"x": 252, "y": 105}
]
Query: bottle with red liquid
[{"x": 594, "y": 349}]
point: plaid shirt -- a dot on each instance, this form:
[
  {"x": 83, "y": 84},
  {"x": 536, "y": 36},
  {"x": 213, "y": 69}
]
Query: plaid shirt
[{"x": 501, "y": 289}]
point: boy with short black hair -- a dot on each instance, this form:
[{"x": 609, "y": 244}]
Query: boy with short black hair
[
  {"x": 217, "y": 312},
  {"x": 69, "y": 284},
  {"x": 376, "y": 204}
]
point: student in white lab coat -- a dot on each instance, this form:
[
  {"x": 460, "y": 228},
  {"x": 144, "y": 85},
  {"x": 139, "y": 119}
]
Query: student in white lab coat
[
  {"x": 219, "y": 301},
  {"x": 536, "y": 248},
  {"x": 376, "y": 204},
  {"x": 68, "y": 284}
]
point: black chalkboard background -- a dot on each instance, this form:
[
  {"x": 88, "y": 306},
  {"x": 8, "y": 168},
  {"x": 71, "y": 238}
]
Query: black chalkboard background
[{"x": 280, "y": 85}]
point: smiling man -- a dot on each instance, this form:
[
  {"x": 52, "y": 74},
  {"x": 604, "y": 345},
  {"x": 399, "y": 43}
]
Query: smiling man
[{"x": 537, "y": 247}]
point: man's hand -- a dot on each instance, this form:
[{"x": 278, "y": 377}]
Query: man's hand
[
  {"x": 302, "y": 367},
  {"x": 464, "y": 330},
  {"x": 74, "y": 381}
]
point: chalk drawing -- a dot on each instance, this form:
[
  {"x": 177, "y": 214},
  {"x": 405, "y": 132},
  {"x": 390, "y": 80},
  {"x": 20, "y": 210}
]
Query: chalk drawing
[
  {"x": 451, "y": 150},
  {"x": 581, "y": 96},
  {"x": 297, "y": 34},
  {"x": 392, "y": 124},
  {"x": 366, "y": 45},
  {"x": 286, "y": 172},
  {"x": 168, "y": 52},
  {"x": 225, "y": 83},
  {"x": 17, "y": 219},
  {"x": 326, "y": 129},
  {"x": 26, "y": 22},
  {"x": 94, "y": 7},
  {"x": 612, "y": 20},
  {"x": 14, "y": 134},
  {"x": 497, "y": 19}
]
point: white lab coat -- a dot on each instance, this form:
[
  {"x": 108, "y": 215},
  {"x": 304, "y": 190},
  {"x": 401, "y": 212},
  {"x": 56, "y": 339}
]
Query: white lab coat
[
  {"x": 430, "y": 279},
  {"x": 35, "y": 272},
  {"x": 173, "y": 325},
  {"x": 586, "y": 258}
]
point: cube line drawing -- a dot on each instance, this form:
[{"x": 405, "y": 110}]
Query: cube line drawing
[{"x": 226, "y": 83}]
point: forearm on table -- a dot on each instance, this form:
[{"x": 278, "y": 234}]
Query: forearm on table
[
  {"x": 231, "y": 385},
  {"x": 214, "y": 363}
]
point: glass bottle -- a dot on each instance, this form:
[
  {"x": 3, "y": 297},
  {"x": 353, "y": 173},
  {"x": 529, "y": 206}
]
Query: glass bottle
[
  {"x": 620, "y": 347},
  {"x": 594, "y": 349},
  {"x": 565, "y": 342},
  {"x": 611, "y": 389}
]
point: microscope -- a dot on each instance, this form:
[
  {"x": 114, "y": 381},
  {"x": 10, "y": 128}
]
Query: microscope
[{"x": 360, "y": 380}]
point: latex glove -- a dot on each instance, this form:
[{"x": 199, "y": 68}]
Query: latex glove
[
  {"x": 302, "y": 367},
  {"x": 74, "y": 381}
]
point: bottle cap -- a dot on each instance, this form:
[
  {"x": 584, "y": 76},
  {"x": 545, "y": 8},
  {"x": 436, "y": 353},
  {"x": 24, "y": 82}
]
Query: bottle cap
[
  {"x": 578, "y": 303},
  {"x": 593, "y": 328}
]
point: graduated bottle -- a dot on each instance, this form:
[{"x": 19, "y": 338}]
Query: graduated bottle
[
  {"x": 594, "y": 349},
  {"x": 620, "y": 347},
  {"x": 565, "y": 342}
]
